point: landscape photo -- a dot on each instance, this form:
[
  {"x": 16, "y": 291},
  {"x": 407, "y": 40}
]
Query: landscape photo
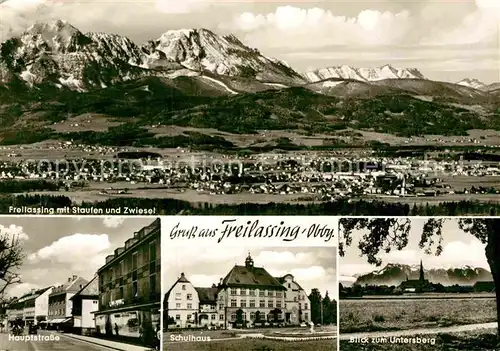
[
  {"x": 254, "y": 107},
  {"x": 75, "y": 287},
  {"x": 418, "y": 284},
  {"x": 250, "y": 298}
]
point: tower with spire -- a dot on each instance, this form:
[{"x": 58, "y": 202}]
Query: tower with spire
[
  {"x": 421, "y": 277},
  {"x": 249, "y": 261}
]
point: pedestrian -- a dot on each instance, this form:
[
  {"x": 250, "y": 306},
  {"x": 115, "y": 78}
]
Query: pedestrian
[{"x": 116, "y": 329}]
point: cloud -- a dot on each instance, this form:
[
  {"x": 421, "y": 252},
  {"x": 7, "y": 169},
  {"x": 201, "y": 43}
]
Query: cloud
[
  {"x": 13, "y": 231},
  {"x": 113, "y": 221},
  {"x": 294, "y": 26},
  {"x": 77, "y": 251}
]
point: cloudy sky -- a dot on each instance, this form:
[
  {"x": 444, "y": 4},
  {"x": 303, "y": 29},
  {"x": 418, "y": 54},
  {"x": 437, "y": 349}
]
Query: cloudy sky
[
  {"x": 459, "y": 249},
  {"x": 57, "y": 248},
  {"x": 445, "y": 39},
  {"x": 312, "y": 267}
]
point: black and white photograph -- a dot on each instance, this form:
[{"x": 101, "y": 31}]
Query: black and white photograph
[
  {"x": 419, "y": 283},
  {"x": 80, "y": 283},
  {"x": 214, "y": 107},
  {"x": 233, "y": 297}
]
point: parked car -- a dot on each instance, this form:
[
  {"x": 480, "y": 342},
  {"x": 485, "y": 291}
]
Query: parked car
[
  {"x": 303, "y": 324},
  {"x": 32, "y": 329}
]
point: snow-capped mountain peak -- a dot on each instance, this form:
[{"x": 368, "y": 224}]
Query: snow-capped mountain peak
[
  {"x": 472, "y": 83},
  {"x": 363, "y": 74}
]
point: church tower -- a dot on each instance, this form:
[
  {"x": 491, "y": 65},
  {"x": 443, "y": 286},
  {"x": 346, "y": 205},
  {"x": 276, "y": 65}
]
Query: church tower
[
  {"x": 249, "y": 261},
  {"x": 421, "y": 278}
]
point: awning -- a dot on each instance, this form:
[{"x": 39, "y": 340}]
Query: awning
[
  {"x": 56, "y": 321},
  {"x": 67, "y": 320}
]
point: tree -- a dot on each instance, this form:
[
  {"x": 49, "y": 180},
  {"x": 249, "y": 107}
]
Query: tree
[
  {"x": 386, "y": 234},
  {"x": 11, "y": 259},
  {"x": 315, "y": 299}
]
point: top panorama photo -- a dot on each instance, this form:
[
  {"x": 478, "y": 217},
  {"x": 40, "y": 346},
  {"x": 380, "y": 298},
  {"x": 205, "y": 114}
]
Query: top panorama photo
[{"x": 252, "y": 107}]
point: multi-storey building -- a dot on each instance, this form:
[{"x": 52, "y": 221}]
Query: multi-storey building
[
  {"x": 297, "y": 304},
  {"x": 246, "y": 296},
  {"x": 130, "y": 287},
  {"x": 31, "y": 308},
  {"x": 85, "y": 302},
  {"x": 60, "y": 303}
]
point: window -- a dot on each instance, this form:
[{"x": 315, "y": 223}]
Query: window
[
  {"x": 152, "y": 283},
  {"x": 243, "y": 303},
  {"x": 177, "y": 296},
  {"x": 289, "y": 285},
  {"x": 305, "y": 306},
  {"x": 262, "y": 303},
  {"x": 233, "y": 317},
  {"x": 221, "y": 317},
  {"x": 278, "y": 293},
  {"x": 278, "y": 304},
  {"x": 177, "y": 317},
  {"x": 110, "y": 275},
  {"x": 306, "y": 316},
  {"x": 134, "y": 261},
  {"x": 121, "y": 292},
  {"x": 285, "y": 295},
  {"x": 252, "y": 316},
  {"x": 178, "y": 305},
  {"x": 252, "y": 292},
  {"x": 243, "y": 292},
  {"x": 135, "y": 291},
  {"x": 189, "y": 296},
  {"x": 270, "y": 304},
  {"x": 213, "y": 317},
  {"x": 190, "y": 306},
  {"x": 183, "y": 286},
  {"x": 188, "y": 317},
  {"x": 122, "y": 268},
  {"x": 233, "y": 291},
  {"x": 270, "y": 293},
  {"x": 233, "y": 303},
  {"x": 262, "y": 293},
  {"x": 295, "y": 298},
  {"x": 152, "y": 251},
  {"x": 252, "y": 303}
]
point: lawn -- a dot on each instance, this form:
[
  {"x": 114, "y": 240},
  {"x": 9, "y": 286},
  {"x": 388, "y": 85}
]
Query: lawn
[
  {"x": 254, "y": 345},
  {"x": 470, "y": 341},
  {"x": 381, "y": 315}
]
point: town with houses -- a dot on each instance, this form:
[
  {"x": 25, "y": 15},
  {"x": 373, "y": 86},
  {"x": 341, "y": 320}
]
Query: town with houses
[
  {"x": 247, "y": 297},
  {"x": 120, "y": 303},
  {"x": 308, "y": 176}
]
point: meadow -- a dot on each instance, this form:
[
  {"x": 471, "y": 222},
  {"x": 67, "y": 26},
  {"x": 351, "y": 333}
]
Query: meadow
[
  {"x": 469, "y": 341},
  {"x": 402, "y": 314}
]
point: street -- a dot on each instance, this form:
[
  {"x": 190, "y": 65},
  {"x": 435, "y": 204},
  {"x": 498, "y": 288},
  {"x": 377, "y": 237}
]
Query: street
[{"x": 64, "y": 343}]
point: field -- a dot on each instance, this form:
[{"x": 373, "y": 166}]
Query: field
[
  {"x": 234, "y": 340},
  {"x": 402, "y": 314},
  {"x": 470, "y": 341},
  {"x": 255, "y": 345}
]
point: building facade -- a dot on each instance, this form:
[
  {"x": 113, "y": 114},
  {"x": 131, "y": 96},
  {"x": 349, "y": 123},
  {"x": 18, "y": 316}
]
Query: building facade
[
  {"x": 31, "y": 308},
  {"x": 85, "y": 302},
  {"x": 247, "y": 296},
  {"x": 60, "y": 303},
  {"x": 129, "y": 286}
]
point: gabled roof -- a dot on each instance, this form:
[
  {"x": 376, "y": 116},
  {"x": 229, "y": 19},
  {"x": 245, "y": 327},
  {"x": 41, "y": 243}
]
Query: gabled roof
[
  {"x": 35, "y": 294},
  {"x": 207, "y": 295},
  {"x": 282, "y": 280},
  {"x": 241, "y": 276},
  {"x": 182, "y": 279},
  {"x": 91, "y": 289}
]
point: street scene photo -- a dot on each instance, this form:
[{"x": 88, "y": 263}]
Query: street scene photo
[
  {"x": 213, "y": 107},
  {"x": 419, "y": 284},
  {"x": 80, "y": 283},
  {"x": 250, "y": 298}
]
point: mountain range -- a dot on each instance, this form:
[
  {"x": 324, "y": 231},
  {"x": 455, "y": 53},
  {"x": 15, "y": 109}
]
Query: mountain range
[
  {"x": 394, "y": 274},
  {"x": 59, "y": 53},
  {"x": 196, "y": 78}
]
